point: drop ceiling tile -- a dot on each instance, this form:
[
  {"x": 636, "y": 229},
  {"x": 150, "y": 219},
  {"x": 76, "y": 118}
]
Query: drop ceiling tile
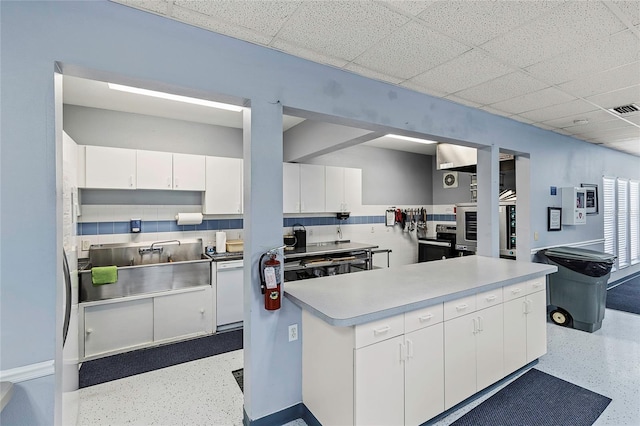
[
  {"x": 367, "y": 72},
  {"x": 467, "y": 70},
  {"x": 620, "y": 49},
  {"x": 596, "y": 116},
  {"x": 558, "y": 111},
  {"x": 535, "y": 100},
  {"x": 595, "y": 127},
  {"x": 411, "y": 7},
  {"x": 569, "y": 27},
  {"x": 197, "y": 19},
  {"x": 634, "y": 118},
  {"x": 461, "y": 101},
  {"x": 631, "y": 9},
  {"x": 617, "y": 97},
  {"x": 476, "y": 22},
  {"x": 610, "y": 80},
  {"x": 501, "y": 88},
  {"x": 630, "y": 146},
  {"x": 157, "y": 6},
  {"x": 301, "y": 52},
  {"x": 495, "y": 111},
  {"x": 622, "y": 133},
  {"x": 342, "y": 29},
  {"x": 521, "y": 119},
  {"x": 419, "y": 88},
  {"x": 263, "y": 17},
  {"x": 410, "y": 51}
]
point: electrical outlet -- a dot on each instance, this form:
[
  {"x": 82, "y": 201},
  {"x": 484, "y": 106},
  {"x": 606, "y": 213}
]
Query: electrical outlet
[
  {"x": 293, "y": 332},
  {"x": 86, "y": 244},
  {"x": 310, "y": 232},
  {"x": 373, "y": 230},
  {"x": 535, "y": 236}
]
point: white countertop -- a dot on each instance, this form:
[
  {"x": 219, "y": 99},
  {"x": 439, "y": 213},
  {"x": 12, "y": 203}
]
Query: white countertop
[{"x": 361, "y": 297}]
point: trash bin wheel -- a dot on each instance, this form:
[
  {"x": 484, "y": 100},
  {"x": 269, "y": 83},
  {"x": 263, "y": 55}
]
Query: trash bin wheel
[{"x": 560, "y": 317}]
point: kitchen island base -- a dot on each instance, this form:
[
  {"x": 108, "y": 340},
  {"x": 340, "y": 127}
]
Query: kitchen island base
[{"x": 413, "y": 361}]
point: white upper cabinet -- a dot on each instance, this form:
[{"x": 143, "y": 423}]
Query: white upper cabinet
[
  {"x": 113, "y": 168},
  {"x": 154, "y": 170},
  {"x": 290, "y": 188},
  {"x": 189, "y": 172},
  {"x": 312, "y": 188},
  {"x": 223, "y": 191},
  {"x": 343, "y": 189}
]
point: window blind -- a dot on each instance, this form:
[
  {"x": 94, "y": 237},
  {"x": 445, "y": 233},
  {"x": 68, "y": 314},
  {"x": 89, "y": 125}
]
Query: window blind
[
  {"x": 609, "y": 196},
  {"x": 634, "y": 221},
  {"x": 623, "y": 222}
]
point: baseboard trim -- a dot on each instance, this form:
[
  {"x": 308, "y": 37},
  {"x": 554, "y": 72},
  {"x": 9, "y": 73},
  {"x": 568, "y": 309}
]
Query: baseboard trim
[
  {"x": 27, "y": 372},
  {"x": 298, "y": 411}
]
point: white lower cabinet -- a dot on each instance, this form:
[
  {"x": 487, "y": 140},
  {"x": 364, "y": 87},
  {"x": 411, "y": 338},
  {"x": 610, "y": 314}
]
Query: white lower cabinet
[
  {"x": 182, "y": 314},
  {"x": 379, "y": 378},
  {"x": 473, "y": 346},
  {"x": 115, "y": 326},
  {"x": 409, "y": 368},
  {"x": 525, "y": 329}
]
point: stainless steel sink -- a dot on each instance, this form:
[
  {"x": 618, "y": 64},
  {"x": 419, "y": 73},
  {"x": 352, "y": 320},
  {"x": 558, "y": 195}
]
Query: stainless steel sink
[{"x": 141, "y": 270}]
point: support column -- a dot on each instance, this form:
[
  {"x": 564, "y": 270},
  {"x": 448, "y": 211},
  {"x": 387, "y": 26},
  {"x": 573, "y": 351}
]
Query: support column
[
  {"x": 523, "y": 209},
  {"x": 272, "y": 364},
  {"x": 488, "y": 192}
]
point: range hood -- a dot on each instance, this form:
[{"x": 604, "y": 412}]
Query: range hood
[{"x": 464, "y": 159}]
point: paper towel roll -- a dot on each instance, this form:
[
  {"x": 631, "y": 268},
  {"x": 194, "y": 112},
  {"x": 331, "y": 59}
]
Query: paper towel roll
[
  {"x": 221, "y": 242},
  {"x": 189, "y": 218}
]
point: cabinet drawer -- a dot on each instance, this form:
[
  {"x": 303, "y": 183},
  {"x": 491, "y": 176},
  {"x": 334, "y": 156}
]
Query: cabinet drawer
[
  {"x": 489, "y": 298},
  {"x": 537, "y": 284},
  {"x": 421, "y": 318},
  {"x": 380, "y": 330},
  {"x": 458, "y": 307},
  {"x": 514, "y": 291}
]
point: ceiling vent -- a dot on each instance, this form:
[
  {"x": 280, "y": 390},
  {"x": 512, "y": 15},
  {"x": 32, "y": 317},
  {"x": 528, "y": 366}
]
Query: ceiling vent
[{"x": 625, "y": 109}]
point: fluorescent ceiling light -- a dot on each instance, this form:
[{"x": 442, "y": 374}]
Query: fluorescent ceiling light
[
  {"x": 172, "y": 97},
  {"x": 407, "y": 138}
]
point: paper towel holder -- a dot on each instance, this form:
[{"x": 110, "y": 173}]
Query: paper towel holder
[{"x": 189, "y": 218}]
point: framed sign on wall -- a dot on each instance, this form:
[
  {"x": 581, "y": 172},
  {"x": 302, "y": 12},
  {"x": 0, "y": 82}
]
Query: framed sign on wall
[
  {"x": 591, "y": 198},
  {"x": 554, "y": 218}
]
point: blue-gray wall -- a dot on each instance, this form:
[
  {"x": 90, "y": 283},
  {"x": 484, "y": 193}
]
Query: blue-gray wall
[{"x": 110, "y": 41}]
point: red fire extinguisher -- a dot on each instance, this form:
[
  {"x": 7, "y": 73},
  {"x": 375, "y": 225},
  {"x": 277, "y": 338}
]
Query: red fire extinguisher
[{"x": 270, "y": 281}]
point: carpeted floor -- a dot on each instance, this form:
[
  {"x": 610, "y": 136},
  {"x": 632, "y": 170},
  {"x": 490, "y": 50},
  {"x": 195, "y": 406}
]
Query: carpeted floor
[
  {"x": 144, "y": 360},
  {"x": 538, "y": 399},
  {"x": 625, "y": 297}
]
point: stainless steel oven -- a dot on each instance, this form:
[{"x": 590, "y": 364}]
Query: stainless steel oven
[
  {"x": 467, "y": 228},
  {"x": 440, "y": 247}
]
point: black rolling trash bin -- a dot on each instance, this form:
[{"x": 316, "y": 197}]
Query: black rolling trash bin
[{"x": 578, "y": 291}]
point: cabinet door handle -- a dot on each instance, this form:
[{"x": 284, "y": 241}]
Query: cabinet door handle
[
  {"x": 424, "y": 318},
  {"x": 130, "y": 181},
  {"x": 516, "y": 290},
  {"x": 202, "y": 311},
  {"x": 403, "y": 356},
  {"x": 381, "y": 330},
  {"x": 168, "y": 181},
  {"x": 527, "y": 306},
  {"x": 89, "y": 331},
  {"x": 409, "y": 349},
  {"x": 480, "y": 324},
  {"x": 491, "y": 298},
  {"x": 462, "y": 307},
  {"x": 524, "y": 307},
  {"x": 475, "y": 325}
]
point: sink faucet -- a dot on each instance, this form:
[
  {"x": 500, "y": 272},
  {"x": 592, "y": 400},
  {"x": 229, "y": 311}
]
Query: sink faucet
[{"x": 152, "y": 249}]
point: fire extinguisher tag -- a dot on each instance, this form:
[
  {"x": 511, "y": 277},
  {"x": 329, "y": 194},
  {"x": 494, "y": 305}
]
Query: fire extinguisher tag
[{"x": 270, "y": 277}]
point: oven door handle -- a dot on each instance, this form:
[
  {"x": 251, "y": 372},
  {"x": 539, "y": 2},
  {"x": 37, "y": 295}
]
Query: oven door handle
[{"x": 435, "y": 243}]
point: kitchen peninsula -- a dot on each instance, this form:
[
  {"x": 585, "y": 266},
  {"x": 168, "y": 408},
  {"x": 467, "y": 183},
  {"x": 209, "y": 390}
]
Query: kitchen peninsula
[{"x": 408, "y": 343}]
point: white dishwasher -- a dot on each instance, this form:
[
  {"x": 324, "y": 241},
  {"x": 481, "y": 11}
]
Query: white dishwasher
[{"x": 229, "y": 294}]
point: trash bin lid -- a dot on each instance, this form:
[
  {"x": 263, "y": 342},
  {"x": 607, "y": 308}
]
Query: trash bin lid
[{"x": 574, "y": 253}]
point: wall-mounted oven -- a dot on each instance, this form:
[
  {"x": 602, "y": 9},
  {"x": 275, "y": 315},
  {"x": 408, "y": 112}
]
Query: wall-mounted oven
[{"x": 467, "y": 228}]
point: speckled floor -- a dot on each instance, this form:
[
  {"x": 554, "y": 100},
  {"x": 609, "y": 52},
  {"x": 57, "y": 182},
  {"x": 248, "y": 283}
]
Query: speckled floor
[{"x": 204, "y": 392}]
